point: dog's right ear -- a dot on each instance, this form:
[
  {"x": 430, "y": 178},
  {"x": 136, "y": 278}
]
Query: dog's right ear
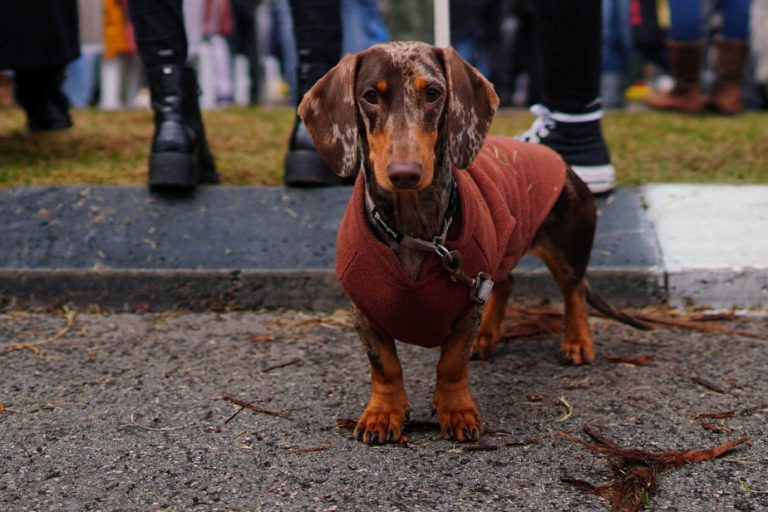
[
  {"x": 472, "y": 102},
  {"x": 328, "y": 112}
]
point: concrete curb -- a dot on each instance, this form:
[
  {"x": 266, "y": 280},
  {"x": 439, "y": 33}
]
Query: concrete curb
[
  {"x": 218, "y": 290},
  {"x": 118, "y": 248}
]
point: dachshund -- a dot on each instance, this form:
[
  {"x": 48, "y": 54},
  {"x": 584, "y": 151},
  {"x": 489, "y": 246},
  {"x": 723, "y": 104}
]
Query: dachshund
[{"x": 439, "y": 216}]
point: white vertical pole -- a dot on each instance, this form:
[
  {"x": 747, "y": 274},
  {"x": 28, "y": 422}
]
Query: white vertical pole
[
  {"x": 442, "y": 23},
  {"x": 111, "y": 78}
]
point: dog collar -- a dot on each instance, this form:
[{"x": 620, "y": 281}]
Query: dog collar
[
  {"x": 479, "y": 287},
  {"x": 412, "y": 242}
]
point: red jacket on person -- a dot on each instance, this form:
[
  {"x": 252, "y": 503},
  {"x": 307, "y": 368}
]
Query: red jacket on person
[{"x": 504, "y": 196}]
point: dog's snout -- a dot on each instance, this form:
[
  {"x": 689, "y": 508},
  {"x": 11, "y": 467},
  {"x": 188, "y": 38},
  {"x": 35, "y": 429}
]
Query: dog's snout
[{"x": 404, "y": 175}]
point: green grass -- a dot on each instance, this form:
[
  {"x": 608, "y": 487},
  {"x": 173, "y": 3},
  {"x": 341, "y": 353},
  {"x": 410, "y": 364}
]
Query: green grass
[{"x": 249, "y": 144}]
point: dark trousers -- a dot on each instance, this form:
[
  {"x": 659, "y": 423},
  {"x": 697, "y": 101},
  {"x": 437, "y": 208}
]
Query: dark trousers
[
  {"x": 317, "y": 28},
  {"x": 569, "y": 38},
  {"x": 161, "y": 39},
  {"x": 38, "y": 34},
  {"x": 159, "y": 29}
]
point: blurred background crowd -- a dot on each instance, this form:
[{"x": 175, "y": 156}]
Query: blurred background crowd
[{"x": 245, "y": 54}]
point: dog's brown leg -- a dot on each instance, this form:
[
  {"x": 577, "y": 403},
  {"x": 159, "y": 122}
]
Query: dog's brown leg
[
  {"x": 490, "y": 327},
  {"x": 564, "y": 242},
  {"x": 383, "y": 418},
  {"x": 456, "y": 411},
  {"x": 576, "y": 347}
]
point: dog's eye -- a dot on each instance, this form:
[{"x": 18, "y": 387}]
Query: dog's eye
[
  {"x": 432, "y": 94},
  {"x": 371, "y": 97}
]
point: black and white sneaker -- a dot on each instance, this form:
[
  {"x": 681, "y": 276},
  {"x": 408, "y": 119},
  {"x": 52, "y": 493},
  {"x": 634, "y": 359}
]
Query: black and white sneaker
[{"x": 579, "y": 140}]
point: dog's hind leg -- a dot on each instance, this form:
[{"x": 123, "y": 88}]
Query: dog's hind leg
[
  {"x": 564, "y": 242},
  {"x": 383, "y": 418},
  {"x": 456, "y": 411},
  {"x": 490, "y": 326}
]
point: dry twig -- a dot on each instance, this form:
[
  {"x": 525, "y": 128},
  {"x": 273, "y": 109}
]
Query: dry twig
[
  {"x": 34, "y": 347},
  {"x": 709, "y": 385},
  {"x": 636, "y": 471},
  {"x": 637, "y": 361},
  {"x": 255, "y": 408}
]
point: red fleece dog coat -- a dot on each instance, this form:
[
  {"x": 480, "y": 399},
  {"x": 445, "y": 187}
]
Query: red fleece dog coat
[{"x": 504, "y": 197}]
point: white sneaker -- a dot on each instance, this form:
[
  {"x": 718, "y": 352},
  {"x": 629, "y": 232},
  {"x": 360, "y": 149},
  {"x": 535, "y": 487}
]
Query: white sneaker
[{"x": 579, "y": 140}]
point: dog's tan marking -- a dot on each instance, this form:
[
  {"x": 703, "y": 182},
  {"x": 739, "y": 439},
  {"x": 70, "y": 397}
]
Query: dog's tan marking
[
  {"x": 425, "y": 143},
  {"x": 456, "y": 410},
  {"x": 380, "y": 146},
  {"x": 382, "y": 86},
  {"x": 383, "y": 418},
  {"x": 576, "y": 347},
  {"x": 490, "y": 327}
]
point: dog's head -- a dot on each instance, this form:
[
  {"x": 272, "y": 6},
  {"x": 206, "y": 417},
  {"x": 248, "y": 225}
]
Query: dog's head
[{"x": 400, "y": 106}]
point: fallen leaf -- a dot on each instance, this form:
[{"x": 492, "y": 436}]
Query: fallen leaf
[
  {"x": 637, "y": 360},
  {"x": 260, "y": 337}
]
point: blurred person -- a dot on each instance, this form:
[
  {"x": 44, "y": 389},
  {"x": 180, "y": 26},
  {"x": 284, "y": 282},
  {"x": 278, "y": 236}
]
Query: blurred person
[
  {"x": 242, "y": 40},
  {"x": 649, "y": 30},
  {"x": 81, "y": 80},
  {"x": 568, "y": 64},
  {"x": 476, "y": 31},
  {"x": 617, "y": 45},
  {"x": 759, "y": 34},
  {"x": 363, "y": 25},
  {"x": 218, "y": 24},
  {"x": 38, "y": 38},
  {"x": 685, "y": 46}
]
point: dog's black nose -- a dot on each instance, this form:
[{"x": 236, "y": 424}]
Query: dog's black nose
[{"x": 404, "y": 175}]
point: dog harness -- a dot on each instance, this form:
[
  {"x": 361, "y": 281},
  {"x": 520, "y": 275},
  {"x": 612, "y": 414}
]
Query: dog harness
[{"x": 503, "y": 197}]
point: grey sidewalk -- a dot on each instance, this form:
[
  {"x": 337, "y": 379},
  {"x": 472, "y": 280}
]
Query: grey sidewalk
[{"x": 120, "y": 248}]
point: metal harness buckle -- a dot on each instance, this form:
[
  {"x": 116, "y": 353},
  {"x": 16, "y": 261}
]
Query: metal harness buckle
[
  {"x": 479, "y": 287},
  {"x": 482, "y": 289}
]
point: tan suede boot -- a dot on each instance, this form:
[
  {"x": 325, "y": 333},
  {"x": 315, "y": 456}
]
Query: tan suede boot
[
  {"x": 684, "y": 66},
  {"x": 729, "y": 71}
]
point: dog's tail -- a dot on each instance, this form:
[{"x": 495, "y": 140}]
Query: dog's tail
[{"x": 597, "y": 302}]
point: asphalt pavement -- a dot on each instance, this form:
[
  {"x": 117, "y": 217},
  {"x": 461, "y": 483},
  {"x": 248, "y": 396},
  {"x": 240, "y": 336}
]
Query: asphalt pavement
[{"x": 125, "y": 412}]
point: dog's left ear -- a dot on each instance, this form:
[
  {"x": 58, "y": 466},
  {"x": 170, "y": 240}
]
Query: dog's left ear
[
  {"x": 472, "y": 102},
  {"x": 328, "y": 112}
]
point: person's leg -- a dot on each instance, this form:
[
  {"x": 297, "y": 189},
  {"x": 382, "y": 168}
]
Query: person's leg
[
  {"x": 616, "y": 47},
  {"x": 568, "y": 65},
  {"x": 37, "y": 41},
  {"x": 732, "y": 54},
  {"x": 570, "y": 53},
  {"x": 179, "y": 157},
  {"x": 686, "y": 21},
  {"x": 159, "y": 30},
  {"x": 735, "y": 19},
  {"x": 685, "y": 51},
  {"x": 317, "y": 30},
  {"x": 39, "y": 92}
]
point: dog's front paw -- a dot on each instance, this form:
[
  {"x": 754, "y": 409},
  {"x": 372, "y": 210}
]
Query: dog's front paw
[
  {"x": 577, "y": 351},
  {"x": 484, "y": 345},
  {"x": 381, "y": 422},
  {"x": 458, "y": 415}
]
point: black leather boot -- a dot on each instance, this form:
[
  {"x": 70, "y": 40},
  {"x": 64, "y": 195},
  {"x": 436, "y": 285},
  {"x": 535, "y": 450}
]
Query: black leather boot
[
  {"x": 39, "y": 93},
  {"x": 303, "y": 165},
  {"x": 180, "y": 157}
]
